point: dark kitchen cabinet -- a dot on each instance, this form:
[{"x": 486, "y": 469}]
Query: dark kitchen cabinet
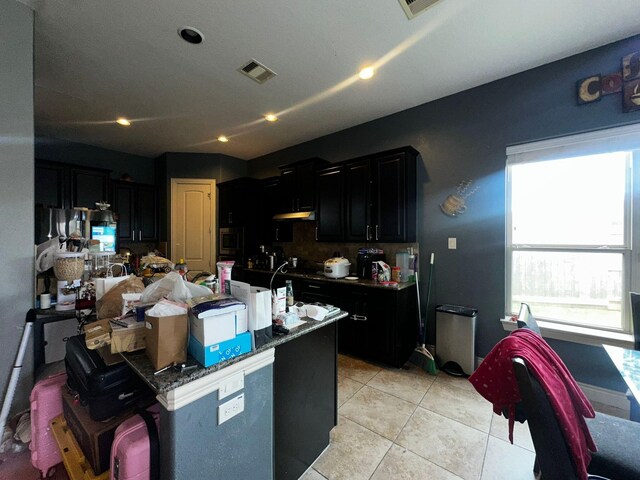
[
  {"x": 52, "y": 185},
  {"x": 330, "y": 204},
  {"x": 297, "y": 185},
  {"x": 63, "y": 185},
  {"x": 381, "y": 325},
  {"x": 137, "y": 207},
  {"x": 88, "y": 186},
  {"x": 237, "y": 202},
  {"x": 380, "y": 200},
  {"x": 269, "y": 230}
]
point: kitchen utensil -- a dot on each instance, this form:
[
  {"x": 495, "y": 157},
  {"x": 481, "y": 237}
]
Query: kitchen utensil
[{"x": 336, "y": 267}]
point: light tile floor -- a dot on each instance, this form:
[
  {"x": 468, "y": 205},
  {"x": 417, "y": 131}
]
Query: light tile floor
[{"x": 406, "y": 424}]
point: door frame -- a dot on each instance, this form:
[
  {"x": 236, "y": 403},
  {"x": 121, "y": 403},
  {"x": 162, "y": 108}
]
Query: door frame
[{"x": 214, "y": 211}]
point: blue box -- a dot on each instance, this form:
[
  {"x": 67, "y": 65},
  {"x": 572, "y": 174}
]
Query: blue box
[{"x": 212, "y": 354}]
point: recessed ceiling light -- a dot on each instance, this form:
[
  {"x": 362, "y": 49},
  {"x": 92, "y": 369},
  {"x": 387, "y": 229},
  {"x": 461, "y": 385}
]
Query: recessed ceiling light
[
  {"x": 223, "y": 139},
  {"x": 366, "y": 73},
  {"x": 191, "y": 35},
  {"x": 123, "y": 121},
  {"x": 270, "y": 117}
]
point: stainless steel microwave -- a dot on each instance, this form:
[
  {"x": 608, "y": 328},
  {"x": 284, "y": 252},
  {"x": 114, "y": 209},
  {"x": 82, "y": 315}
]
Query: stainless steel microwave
[{"x": 231, "y": 242}]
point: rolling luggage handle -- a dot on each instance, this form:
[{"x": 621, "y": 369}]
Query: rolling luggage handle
[{"x": 154, "y": 445}]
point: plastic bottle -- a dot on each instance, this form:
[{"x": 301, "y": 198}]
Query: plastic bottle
[
  {"x": 289, "y": 293},
  {"x": 181, "y": 267}
]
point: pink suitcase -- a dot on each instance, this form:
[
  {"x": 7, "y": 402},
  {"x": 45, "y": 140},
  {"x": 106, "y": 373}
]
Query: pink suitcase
[
  {"x": 131, "y": 448},
  {"x": 46, "y": 404}
]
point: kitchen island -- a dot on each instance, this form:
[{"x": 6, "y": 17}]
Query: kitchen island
[{"x": 288, "y": 392}]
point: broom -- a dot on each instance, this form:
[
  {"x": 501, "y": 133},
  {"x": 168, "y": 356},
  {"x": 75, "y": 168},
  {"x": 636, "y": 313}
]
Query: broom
[{"x": 421, "y": 356}]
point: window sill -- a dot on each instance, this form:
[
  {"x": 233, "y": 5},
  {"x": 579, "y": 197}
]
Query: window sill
[{"x": 569, "y": 333}]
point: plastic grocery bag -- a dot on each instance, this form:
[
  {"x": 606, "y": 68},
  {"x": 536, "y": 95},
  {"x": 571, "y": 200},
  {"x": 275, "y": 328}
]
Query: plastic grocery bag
[{"x": 173, "y": 287}]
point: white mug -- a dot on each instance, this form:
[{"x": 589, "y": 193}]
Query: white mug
[{"x": 45, "y": 301}]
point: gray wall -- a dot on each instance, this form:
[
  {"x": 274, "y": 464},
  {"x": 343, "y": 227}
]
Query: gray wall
[
  {"x": 192, "y": 165},
  {"x": 142, "y": 169},
  {"x": 464, "y": 136},
  {"x": 16, "y": 185}
]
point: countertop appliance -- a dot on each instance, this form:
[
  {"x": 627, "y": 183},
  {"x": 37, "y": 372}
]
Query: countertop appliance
[
  {"x": 336, "y": 267},
  {"x": 363, "y": 262}
]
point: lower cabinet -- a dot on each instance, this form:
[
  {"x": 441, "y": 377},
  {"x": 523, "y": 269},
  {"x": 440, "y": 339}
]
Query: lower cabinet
[{"x": 382, "y": 324}]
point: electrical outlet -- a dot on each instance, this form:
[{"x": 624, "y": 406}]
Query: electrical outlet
[
  {"x": 453, "y": 243},
  {"x": 230, "y": 409},
  {"x": 231, "y": 386}
]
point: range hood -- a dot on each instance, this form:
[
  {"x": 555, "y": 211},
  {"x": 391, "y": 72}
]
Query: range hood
[{"x": 295, "y": 216}]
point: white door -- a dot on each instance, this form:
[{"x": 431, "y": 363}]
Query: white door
[{"x": 193, "y": 222}]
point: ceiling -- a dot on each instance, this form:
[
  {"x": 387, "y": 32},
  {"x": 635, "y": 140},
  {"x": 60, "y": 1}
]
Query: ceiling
[{"x": 97, "y": 60}]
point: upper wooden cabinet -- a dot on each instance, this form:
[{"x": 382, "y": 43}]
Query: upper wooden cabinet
[
  {"x": 237, "y": 201},
  {"x": 380, "y": 197},
  {"x": 137, "y": 207},
  {"x": 330, "y": 204},
  {"x": 62, "y": 185},
  {"x": 270, "y": 231},
  {"x": 297, "y": 185}
]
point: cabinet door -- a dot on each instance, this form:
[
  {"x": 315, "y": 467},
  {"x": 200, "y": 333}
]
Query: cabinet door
[
  {"x": 51, "y": 186},
  {"x": 305, "y": 187},
  {"x": 281, "y": 232},
  {"x": 288, "y": 191},
  {"x": 352, "y": 336},
  {"x": 390, "y": 223},
  {"x": 329, "y": 204},
  {"x": 268, "y": 204},
  {"x": 379, "y": 325},
  {"x": 123, "y": 205},
  {"x": 88, "y": 186},
  {"x": 225, "y": 202},
  {"x": 147, "y": 213},
  {"x": 358, "y": 201}
]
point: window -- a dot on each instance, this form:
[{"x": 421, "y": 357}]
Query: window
[{"x": 569, "y": 228}]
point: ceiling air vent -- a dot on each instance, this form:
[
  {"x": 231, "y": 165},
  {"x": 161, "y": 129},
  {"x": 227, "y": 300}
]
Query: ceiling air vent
[
  {"x": 413, "y": 7},
  {"x": 256, "y": 71}
]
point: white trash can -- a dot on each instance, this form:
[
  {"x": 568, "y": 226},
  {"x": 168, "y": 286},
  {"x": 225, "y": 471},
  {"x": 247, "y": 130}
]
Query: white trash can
[{"x": 455, "y": 339}]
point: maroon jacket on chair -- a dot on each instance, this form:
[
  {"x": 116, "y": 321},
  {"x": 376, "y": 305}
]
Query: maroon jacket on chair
[{"x": 495, "y": 380}]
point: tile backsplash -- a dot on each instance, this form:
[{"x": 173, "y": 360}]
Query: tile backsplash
[{"x": 309, "y": 252}]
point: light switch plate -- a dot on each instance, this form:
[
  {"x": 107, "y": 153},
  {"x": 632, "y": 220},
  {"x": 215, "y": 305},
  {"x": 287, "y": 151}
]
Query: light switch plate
[
  {"x": 453, "y": 243},
  {"x": 231, "y": 386},
  {"x": 230, "y": 409}
]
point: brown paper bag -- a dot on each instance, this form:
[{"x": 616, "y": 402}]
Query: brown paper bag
[
  {"x": 166, "y": 339},
  {"x": 110, "y": 305}
]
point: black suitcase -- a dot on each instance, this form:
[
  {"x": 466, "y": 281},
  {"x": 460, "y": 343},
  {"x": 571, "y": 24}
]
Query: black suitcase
[{"x": 105, "y": 390}]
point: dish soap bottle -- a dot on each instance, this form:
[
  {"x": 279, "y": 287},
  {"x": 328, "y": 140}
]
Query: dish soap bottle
[{"x": 289, "y": 293}]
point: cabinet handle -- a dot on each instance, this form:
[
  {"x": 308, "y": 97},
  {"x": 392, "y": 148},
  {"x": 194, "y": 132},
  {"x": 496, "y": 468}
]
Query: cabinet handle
[
  {"x": 133, "y": 235},
  {"x": 298, "y": 207},
  {"x": 368, "y": 232},
  {"x": 230, "y": 217},
  {"x": 314, "y": 286},
  {"x": 140, "y": 235},
  {"x": 358, "y": 318},
  {"x": 376, "y": 232},
  {"x": 277, "y": 234},
  {"x": 316, "y": 233},
  {"x": 293, "y": 204}
]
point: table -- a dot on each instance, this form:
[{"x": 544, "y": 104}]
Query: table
[{"x": 628, "y": 364}]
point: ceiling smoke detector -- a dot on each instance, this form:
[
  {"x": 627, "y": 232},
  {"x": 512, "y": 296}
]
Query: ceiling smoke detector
[
  {"x": 257, "y": 71},
  {"x": 414, "y": 7}
]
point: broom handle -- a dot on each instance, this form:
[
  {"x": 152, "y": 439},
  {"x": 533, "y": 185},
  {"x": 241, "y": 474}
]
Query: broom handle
[{"x": 424, "y": 334}]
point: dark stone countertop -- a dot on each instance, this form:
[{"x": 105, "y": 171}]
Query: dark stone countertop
[
  {"x": 360, "y": 282},
  {"x": 169, "y": 380}
]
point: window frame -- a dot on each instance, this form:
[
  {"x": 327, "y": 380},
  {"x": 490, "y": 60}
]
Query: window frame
[{"x": 617, "y": 139}]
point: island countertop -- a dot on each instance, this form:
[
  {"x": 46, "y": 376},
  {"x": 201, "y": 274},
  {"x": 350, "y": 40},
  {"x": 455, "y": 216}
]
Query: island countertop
[{"x": 170, "y": 379}]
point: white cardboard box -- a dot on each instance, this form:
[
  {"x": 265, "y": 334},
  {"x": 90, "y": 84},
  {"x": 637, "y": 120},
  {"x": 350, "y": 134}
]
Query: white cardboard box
[{"x": 218, "y": 328}]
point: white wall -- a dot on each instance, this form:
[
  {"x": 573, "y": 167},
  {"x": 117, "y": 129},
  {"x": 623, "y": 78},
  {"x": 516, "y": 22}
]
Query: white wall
[{"x": 16, "y": 189}]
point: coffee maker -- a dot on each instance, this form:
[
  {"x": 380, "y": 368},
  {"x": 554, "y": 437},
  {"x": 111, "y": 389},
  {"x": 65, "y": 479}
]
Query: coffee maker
[{"x": 365, "y": 257}]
